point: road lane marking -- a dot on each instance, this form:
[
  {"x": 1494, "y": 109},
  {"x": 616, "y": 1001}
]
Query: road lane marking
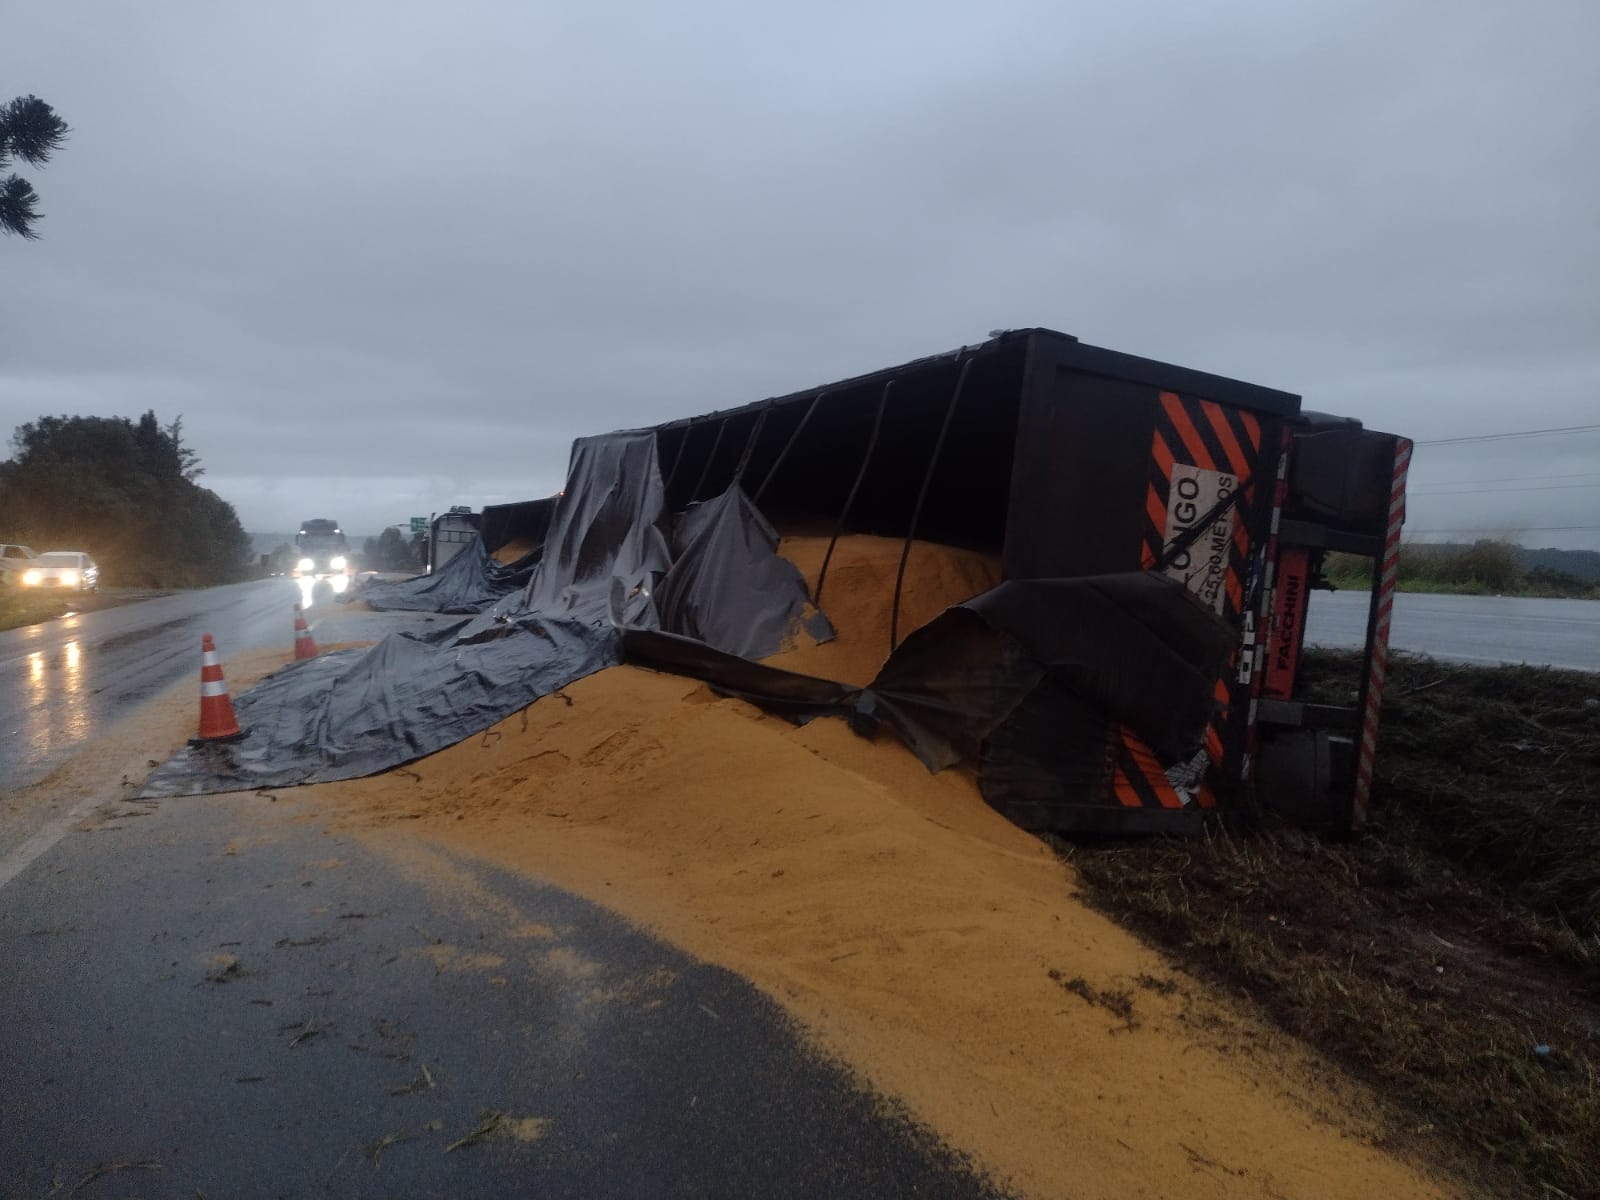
[{"x": 36, "y": 843}]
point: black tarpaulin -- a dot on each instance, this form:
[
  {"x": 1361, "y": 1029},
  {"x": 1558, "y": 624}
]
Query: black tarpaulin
[
  {"x": 470, "y": 582},
  {"x": 798, "y": 697},
  {"x": 1032, "y": 682},
  {"x": 1138, "y": 647},
  {"x": 605, "y": 549},
  {"x": 355, "y": 713},
  {"x": 358, "y": 712},
  {"x": 728, "y": 587}
]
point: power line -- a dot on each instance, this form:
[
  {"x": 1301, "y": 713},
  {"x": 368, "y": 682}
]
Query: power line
[
  {"x": 1506, "y": 437},
  {"x": 1514, "y": 479},
  {"x": 1555, "y": 487},
  {"x": 1511, "y": 526}
]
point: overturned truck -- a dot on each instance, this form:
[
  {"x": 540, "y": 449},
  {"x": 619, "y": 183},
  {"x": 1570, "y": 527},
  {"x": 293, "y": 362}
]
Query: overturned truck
[
  {"x": 1072, "y": 462},
  {"x": 1156, "y": 533}
]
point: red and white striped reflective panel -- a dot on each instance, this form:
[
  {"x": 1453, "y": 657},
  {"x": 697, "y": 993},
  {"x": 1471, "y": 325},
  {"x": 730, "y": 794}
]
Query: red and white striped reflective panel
[{"x": 1377, "y": 672}]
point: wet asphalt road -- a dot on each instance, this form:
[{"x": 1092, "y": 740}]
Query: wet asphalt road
[
  {"x": 63, "y": 681},
  {"x": 223, "y": 997},
  {"x": 255, "y": 1008},
  {"x": 1469, "y": 629}
]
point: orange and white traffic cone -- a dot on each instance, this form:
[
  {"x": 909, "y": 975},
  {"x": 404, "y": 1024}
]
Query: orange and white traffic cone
[
  {"x": 217, "y": 722},
  {"x": 304, "y": 645}
]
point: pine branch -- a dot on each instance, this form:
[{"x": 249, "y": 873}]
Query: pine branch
[
  {"x": 18, "y": 209},
  {"x": 30, "y": 129}
]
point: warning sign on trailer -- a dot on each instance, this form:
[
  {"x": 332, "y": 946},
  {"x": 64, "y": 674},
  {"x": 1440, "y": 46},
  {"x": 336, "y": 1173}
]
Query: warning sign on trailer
[{"x": 1202, "y": 566}]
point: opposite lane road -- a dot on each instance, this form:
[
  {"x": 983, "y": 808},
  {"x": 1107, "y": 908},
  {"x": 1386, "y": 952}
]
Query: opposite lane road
[
  {"x": 1470, "y": 629},
  {"x": 63, "y": 681}
]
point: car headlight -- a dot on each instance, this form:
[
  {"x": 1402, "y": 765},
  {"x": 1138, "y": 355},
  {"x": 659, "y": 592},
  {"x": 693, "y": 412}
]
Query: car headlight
[
  {"x": 305, "y": 564},
  {"x": 69, "y": 578},
  {"x": 31, "y": 578},
  {"x": 337, "y": 562}
]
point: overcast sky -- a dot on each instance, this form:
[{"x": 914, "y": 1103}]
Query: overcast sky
[{"x": 387, "y": 257}]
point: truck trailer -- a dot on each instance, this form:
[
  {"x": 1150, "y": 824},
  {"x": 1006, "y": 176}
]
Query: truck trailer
[{"x": 1071, "y": 461}]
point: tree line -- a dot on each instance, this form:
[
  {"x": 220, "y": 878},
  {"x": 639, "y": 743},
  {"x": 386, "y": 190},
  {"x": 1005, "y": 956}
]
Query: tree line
[
  {"x": 1486, "y": 567},
  {"x": 125, "y": 492}
]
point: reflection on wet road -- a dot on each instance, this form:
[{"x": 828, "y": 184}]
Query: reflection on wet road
[
  {"x": 56, "y": 687},
  {"x": 313, "y": 591},
  {"x": 63, "y": 681}
]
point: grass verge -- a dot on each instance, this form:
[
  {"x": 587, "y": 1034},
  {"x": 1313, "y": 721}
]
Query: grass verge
[
  {"x": 19, "y": 608},
  {"x": 1450, "y": 956}
]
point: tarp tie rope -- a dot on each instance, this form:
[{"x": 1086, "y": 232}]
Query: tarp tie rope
[
  {"x": 683, "y": 442},
  {"x": 849, "y": 501},
  {"x": 716, "y": 444},
  {"x": 922, "y": 495},
  {"x": 750, "y": 443},
  {"x": 787, "y": 446}
]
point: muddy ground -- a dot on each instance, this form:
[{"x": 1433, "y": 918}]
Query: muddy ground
[{"x": 1450, "y": 956}]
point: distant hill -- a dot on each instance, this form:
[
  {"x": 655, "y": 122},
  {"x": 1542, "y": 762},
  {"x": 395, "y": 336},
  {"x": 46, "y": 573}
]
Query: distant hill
[
  {"x": 1580, "y": 564},
  {"x": 1583, "y": 564}
]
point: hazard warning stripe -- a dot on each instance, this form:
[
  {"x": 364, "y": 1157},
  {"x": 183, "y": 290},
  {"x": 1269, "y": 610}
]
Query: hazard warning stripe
[
  {"x": 1143, "y": 772},
  {"x": 1123, "y": 790},
  {"x": 1156, "y": 498},
  {"x": 1220, "y": 459},
  {"x": 1221, "y": 694},
  {"x": 1246, "y": 428},
  {"x": 1215, "y": 437},
  {"x": 1188, "y": 430},
  {"x": 1145, "y": 796},
  {"x": 1378, "y": 669},
  {"x": 1162, "y": 451},
  {"x": 1230, "y": 444},
  {"x": 1211, "y": 435},
  {"x": 1187, "y": 435},
  {"x": 1156, "y": 509}
]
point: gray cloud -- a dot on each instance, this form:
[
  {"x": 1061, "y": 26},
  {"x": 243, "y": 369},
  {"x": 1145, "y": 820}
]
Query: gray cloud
[{"x": 388, "y": 256}]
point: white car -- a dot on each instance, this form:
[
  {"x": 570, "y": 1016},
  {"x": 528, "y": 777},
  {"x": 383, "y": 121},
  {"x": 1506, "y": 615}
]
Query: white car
[
  {"x": 14, "y": 559},
  {"x": 71, "y": 570}
]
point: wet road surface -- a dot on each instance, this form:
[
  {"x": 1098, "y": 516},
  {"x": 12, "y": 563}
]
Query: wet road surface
[
  {"x": 250, "y": 1007},
  {"x": 1469, "y": 629},
  {"x": 223, "y": 996},
  {"x": 63, "y": 681}
]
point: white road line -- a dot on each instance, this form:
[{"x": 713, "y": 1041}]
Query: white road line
[{"x": 20, "y": 859}]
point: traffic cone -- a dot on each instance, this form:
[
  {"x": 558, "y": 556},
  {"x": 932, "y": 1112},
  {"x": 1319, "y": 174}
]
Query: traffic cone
[
  {"x": 305, "y": 645},
  {"x": 217, "y": 722}
]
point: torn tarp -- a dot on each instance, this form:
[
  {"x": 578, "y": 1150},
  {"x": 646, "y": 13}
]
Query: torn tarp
[
  {"x": 724, "y": 550},
  {"x": 1138, "y": 649},
  {"x": 606, "y": 557},
  {"x": 605, "y": 549},
  {"x": 357, "y": 712},
  {"x": 470, "y": 582},
  {"x": 1060, "y": 691},
  {"x": 1067, "y": 694}
]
